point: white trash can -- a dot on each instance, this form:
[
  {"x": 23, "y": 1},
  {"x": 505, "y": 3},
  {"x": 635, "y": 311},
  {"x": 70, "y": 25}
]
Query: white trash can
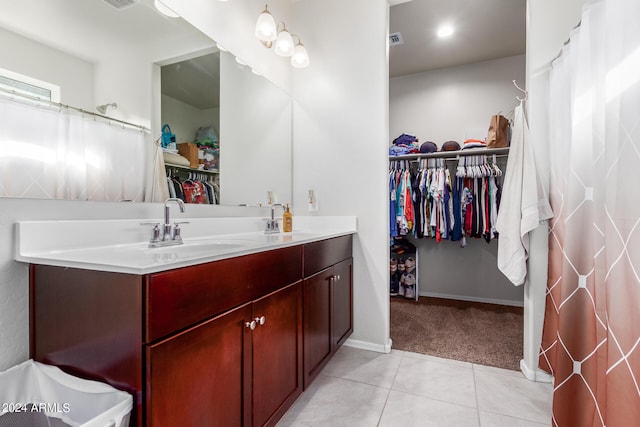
[{"x": 35, "y": 394}]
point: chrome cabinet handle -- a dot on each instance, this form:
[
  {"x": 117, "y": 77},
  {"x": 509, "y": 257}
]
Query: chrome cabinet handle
[
  {"x": 260, "y": 320},
  {"x": 337, "y": 277},
  {"x": 251, "y": 325}
]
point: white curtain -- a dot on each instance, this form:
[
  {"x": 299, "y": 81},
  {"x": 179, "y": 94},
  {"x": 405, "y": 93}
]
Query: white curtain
[
  {"x": 64, "y": 154},
  {"x": 591, "y": 337}
]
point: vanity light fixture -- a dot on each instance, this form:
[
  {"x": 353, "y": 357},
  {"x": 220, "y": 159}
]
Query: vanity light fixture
[
  {"x": 102, "y": 109},
  {"x": 284, "y": 43},
  {"x": 278, "y": 37},
  {"x": 266, "y": 29},
  {"x": 445, "y": 30},
  {"x": 164, "y": 9},
  {"x": 300, "y": 57}
]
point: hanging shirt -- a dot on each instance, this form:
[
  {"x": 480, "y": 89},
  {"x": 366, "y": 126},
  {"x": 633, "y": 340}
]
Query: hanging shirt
[
  {"x": 408, "y": 202},
  {"x": 456, "y": 233},
  {"x": 170, "y": 185},
  {"x": 417, "y": 205},
  {"x": 192, "y": 192},
  {"x": 393, "y": 222},
  {"x": 177, "y": 186}
]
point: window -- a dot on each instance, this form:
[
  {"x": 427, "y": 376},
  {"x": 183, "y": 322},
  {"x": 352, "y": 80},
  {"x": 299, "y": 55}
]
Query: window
[{"x": 28, "y": 86}]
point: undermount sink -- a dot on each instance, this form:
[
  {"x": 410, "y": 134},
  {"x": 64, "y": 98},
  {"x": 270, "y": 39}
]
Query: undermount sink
[
  {"x": 301, "y": 234},
  {"x": 201, "y": 246}
]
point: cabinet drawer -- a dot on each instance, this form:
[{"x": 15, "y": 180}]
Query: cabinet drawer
[
  {"x": 185, "y": 296},
  {"x": 325, "y": 253}
]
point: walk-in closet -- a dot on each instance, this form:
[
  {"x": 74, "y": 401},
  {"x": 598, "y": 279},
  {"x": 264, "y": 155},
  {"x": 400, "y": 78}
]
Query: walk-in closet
[{"x": 448, "y": 297}]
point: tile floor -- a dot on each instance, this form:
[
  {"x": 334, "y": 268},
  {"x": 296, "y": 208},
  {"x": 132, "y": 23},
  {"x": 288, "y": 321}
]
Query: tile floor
[{"x": 402, "y": 389}]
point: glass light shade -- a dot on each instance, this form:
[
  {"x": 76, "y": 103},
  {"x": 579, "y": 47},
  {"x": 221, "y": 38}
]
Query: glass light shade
[
  {"x": 266, "y": 29},
  {"x": 164, "y": 9},
  {"x": 284, "y": 43},
  {"x": 300, "y": 57}
]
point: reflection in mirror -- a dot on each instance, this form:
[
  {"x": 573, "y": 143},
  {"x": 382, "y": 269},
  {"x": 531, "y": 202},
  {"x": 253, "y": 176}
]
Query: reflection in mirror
[
  {"x": 255, "y": 135},
  {"x": 97, "y": 54},
  {"x": 191, "y": 113}
]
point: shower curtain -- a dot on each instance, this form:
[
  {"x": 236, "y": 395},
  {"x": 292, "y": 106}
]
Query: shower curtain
[
  {"x": 60, "y": 153},
  {"x": 591, "y": 337}
]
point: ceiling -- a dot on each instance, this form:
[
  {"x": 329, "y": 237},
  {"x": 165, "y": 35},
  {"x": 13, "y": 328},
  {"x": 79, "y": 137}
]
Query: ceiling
[
  {"x": 195, "y": 81},
  {"x": 96, "y": 31},
  {"x": 89, "y": 28},
  {"x": 484, "y": 30}
]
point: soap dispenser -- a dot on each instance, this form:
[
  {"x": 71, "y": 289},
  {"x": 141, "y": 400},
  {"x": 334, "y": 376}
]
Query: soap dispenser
[{"x": 287, "y": 220}]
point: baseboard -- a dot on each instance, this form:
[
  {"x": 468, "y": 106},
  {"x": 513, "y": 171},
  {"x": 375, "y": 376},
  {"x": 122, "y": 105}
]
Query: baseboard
[
  {"x": 365, "y": 345},
  {"x": 537, "y": 375},
  {"x": 473, "y": 299}
]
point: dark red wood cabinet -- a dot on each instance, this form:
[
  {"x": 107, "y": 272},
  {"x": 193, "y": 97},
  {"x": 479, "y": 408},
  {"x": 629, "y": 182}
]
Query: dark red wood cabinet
[
  {"x": 328, "y": 302},
  {"x": 195, "y": 378},
  {"x": 202, "y": 376},
  {"x": 226, "y": 343}
]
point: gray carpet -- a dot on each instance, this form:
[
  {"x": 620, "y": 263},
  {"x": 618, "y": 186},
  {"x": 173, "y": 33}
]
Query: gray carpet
[{"x": 486, "y": 334}]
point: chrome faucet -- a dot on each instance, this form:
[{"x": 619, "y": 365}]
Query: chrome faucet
[
  {"x": 170, "y": 234},
  {"x": 167, "y": 232},
  {"x": 273, "y": 226}
]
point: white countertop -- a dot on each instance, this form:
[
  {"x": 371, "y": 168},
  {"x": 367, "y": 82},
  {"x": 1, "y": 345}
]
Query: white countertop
[{"x": 122, "y": 245}]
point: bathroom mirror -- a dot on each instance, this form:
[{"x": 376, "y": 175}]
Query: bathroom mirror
[{"x": 104, "y": 52}]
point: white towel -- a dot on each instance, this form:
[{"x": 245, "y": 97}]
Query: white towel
[{"x": 523, "y": 205}]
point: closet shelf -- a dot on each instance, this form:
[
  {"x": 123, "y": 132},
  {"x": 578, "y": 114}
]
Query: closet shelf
[
  {"x": 188, "y": 169},
  {"x": 452, "y": 154}
]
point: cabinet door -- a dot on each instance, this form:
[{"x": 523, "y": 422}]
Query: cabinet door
[
  {"x": 277, "y": 354},
  {"x": 317, "y": 323},
  {"x": 195, "y": 378},
  {"x": 341, "y": 303}
]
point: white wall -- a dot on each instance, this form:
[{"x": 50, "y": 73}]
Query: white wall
[
  {"x": 124, "y": 76},
  {"x": 232, "y": 23},
  {"x": 185, "y": 119},
  {"x": 30, "y": 58},
  {"x": 446, "y": 104},
  {"x": 548, "y": 26},
  {"x": 340, "y": 136},
  {"x": 255, "y": 137},
  {"x": 471, "y": 274},
  {"x": 451, "y": 103}
]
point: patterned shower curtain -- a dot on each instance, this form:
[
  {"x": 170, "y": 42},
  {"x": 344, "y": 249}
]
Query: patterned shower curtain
[
  {"x": 591, "y": 337},
  {"x": 60, "y": 153}
]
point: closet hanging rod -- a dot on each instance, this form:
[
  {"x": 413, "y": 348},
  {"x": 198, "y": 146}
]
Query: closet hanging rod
[
  {"x": 11, "y": 94},
  {"x": 189, "y": 169},
  {"x": 452, "y": 154}
]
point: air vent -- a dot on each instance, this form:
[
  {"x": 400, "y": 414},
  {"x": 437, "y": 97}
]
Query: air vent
[
  {"x": 121, "y": 4},
  {"x": 395, "y": 39}
]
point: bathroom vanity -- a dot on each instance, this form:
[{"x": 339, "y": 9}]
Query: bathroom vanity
[{"x": 230, "y": 338}]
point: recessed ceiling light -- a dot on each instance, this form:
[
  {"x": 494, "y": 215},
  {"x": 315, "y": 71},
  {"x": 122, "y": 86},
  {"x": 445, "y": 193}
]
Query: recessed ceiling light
[{"x": 445, "y": 31}]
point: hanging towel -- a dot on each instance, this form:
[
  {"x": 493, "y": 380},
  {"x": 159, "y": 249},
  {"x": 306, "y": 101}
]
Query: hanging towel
[{"x": 524, "y": 203}]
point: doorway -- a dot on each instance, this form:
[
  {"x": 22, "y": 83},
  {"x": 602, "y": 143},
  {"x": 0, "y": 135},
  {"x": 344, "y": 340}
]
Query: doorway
[{"x": 443, "y": 89}]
